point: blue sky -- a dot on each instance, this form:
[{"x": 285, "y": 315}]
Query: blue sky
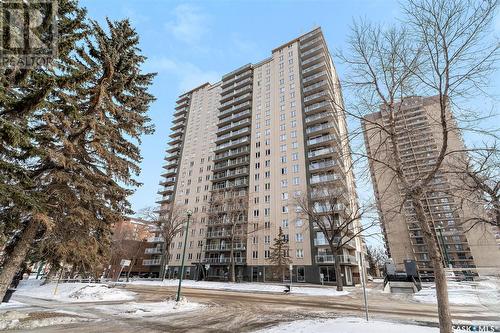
[{"x": 189, "y": 43}]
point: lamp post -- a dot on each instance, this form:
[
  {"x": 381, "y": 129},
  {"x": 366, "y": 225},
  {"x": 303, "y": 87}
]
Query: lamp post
[{"x": 188, "y": 213}]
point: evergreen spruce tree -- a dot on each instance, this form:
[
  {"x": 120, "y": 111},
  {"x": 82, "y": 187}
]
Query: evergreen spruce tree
[
  {"x": 88, "y": 136},
  {"x": 279, "y": 254}
]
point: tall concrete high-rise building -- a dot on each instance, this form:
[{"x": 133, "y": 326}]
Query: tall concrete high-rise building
[
  {"x": 419, "y": 139},
  {"x": 267, "y": 132}
]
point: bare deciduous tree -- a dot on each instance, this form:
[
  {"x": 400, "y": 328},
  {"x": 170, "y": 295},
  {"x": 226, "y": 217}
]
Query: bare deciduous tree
[
  {"x": 443, "y": 51},
  {"x": 169, "y": 221},
  {"x": 339, "y": 221},
  {"x": 229, "y": 206}
]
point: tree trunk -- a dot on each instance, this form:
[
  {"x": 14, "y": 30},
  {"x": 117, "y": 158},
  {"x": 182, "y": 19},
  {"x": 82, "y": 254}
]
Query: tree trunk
[
  {"x": 165, "y": 263},
  {"x": 17, "y": 257},
  {"x": 338, "y": 269},
  {"x": 232, "y": 266},
  {"x": 445, "y": 323}
]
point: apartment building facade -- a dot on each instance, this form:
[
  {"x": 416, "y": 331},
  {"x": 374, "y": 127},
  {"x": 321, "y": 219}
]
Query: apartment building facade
[
  {"x": 270, "y": 133},
  {"x": 419, "y": 138}
]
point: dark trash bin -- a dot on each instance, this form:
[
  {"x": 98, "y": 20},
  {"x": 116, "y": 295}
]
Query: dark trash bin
[{"x": 8, "y": 295}]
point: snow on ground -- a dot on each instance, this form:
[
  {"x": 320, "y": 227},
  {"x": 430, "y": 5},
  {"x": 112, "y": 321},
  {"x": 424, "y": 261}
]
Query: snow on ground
[
  {"x": 22, "y": 320},
  {"x": 72, "y": 292},
  {"x": 486, "y": 291},
  {"x": 12, "y": 304},
  {"x": 247, "y": 286},
  {"x": 132, "y": 309},
  {"x": 347, "y": 325}
]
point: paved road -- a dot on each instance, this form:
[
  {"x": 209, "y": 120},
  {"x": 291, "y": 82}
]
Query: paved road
[{"x": 230, "y": 311}]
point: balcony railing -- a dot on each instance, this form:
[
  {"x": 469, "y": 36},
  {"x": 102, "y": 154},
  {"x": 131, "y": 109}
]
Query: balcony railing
[
  {"x": 224, "y": 247},
  {"x": 233, "y": 101},
  {"x": 235, "y": 124},
  {"x": 236, "y": 107},
  {"x": 313, "y": 50},
  {"x": 152, "y": 250},
  {"x": 321, "y": 152},
  {"x": 322, "y": 165},
  {"x": 330, "y": 259},
  {"x": 325, "y": 178},
  {"x": 234, "y": 133},
  {"x": 317, "y": 106},
  {"x": 151, "y": 262},
  {"x": 236, "y": 115},
  {"x": 321, "y": 139},
  {"x": 311, "y": 42},
  {"x": 237, "y": 260},
  {"x": 155, "y": 239},
  {"x": 232, "y": 143}
]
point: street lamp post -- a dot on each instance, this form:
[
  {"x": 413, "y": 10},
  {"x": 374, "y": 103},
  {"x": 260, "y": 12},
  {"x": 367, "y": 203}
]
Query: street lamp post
[{"x": 189, "y": 213}]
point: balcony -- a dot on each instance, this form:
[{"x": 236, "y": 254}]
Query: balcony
[
  {"x": 229, "y": 80},
  {"x": 164, "y": 199},
  {"x": 179, "y": 118},
  {"x": 232, "y": 153},
  {"x": 155, "y": 239},
  {"x": 152, "y": 250},
  {"x": 230, "y": 184},
  {"x": 244, "y": 114},
  {"x": 310, "y": 35},
  {"x": 167, "y": 189},
  {"x": 233, "y": 134},
  {"x": 322, "y": 95},
  {"x": 232, "y": 143},
  {"x": 330, "y": 259},
  {"x": 169, "y": 172},
  {"x": 151, "y": 262},
  {"x": 168, "y": 180},
  {"x": 312, "y": 52},
  {"x": 236, "y": 86},
  {"x": 236, "y": 93},
  {"x": 235, "y": 108},
  {"x": 311, "y": 61},
  {"x": 174, "y": 148},
  {"x": 325, "y": 105},
  {"x": 315, "y": 78},
  {"x": 319, "y": 116},
  {"x": 312, "y": 42},
  {"x": 178, "y": 126},
  {"x": 316, "y": 87},
  {"x": 231, "y": 173},
  {"x": 321, "y": 152},
  {"x": 224, "y": 260},
  {"x": 313, "y": 69},
  {"x": 328, "y": 177},
  {"x": 321, "y": 139},
  {"x": 244, "y": 97},
  {"x": 322, "y": 165},
  {"x": 224, "y": 247},
  {"x": 234, "y": 125}
]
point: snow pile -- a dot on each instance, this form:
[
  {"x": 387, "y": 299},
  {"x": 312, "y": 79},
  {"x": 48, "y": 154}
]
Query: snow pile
[
  {"x": 247, "y": 287},
  {"x": 10, "y": 305},
  {"x": 347, "y": 325},
  {"x": 133, "y": 309},
  {"x": 72, "y": 292},
  {"x": 482, "y": 292},
  {"x": 22, "y": 320}
]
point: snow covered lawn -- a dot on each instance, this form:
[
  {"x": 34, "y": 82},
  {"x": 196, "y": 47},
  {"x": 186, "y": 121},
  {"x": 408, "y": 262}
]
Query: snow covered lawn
[
  {"x": 23, "y": 320},
  {"x": 347, "y": 325},
  {"x": 464, "y": 293},
  {"x": 248, "y": 287},
  {"x": 72, "y": 292},
  {"x": 132, "y": 309}
]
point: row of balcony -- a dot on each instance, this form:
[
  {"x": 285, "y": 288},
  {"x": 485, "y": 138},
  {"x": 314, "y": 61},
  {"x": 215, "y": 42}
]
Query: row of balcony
[
  {"x": 224, "y": 247},
  {"x": 234, "y": 125},
  {"x": 232, "y": 134},
  {"x": 311, "y": 42},
  {"x": 232, "y": 143},
  {"x": 235, "y": 108},
  {"x": 229, "y": 80},
  {"x": 246, "y": 96},
  {"x": 151, "y": 262},
  {"x": 230, "y": 173},
  {"x": 322, "y": 165},
  {"x": 232, "y": 152},
  {"x": 230, "y": 183},
  {"x": 239, "y": 115},
  {"x": 321, "y": 139},
  {"x": 319, "y": 127},
  {"x": 153, "y": 250},
  {"x": 222, "y": 234},
  {"x": 225, "y": 260},
  {"x": 314, "y": 77},
  {"x": 327, "y": 177},
  {"x": 330, "y": 259},
  {"x": 236, "y": 85},
  {"x": 230, "y": 163},
  {"x": 323, "y": 242},
  {"x": 236, "y": 92},
  {"x": 311, "y": 52}
]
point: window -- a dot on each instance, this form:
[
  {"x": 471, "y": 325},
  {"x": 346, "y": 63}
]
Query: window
[
  {"x": 282, "y": 148},
  {"x": 294, "y": 123},
  {"x": 267, "y": 186},
  {"x": 267, "y": 198},
  {"x": 284, "y": 209},
  {"x": 299, "y": 238},
  {"x": 284, "y": 183},
  {"x": 282, "y": 137},
  {"x": 299, "y": 253},
  {"x": 295, "y": 168},
  {"x": 284, "y": 171},
  {"x": 267, "y": 254},
  {"x": 284, "y": 223},
  {"x": 299, "y": 223},
  {"x": 267, "y": 211},
  {"x": 295, "y": 145},
  {"x": 293, "y": 134},
  {"x": 295, "y": 156},
  {"x": 267, "y": 239},
  {"x": 255, "y": 254},
  {"x": 255, "y": 212},
  {"x": 284, "y": 196},
  {"x": 296, "y": 180},
  {"x": 283, "y": 159}
]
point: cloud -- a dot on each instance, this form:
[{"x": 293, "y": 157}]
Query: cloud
[
  {"x": 190, "y": 25},
  {"x": 188, "y": 75}
]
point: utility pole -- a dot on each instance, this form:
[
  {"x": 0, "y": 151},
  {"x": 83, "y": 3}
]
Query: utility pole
[
  {"x": 363, "y": 283},
  {"x": 189, "y": 213}
]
